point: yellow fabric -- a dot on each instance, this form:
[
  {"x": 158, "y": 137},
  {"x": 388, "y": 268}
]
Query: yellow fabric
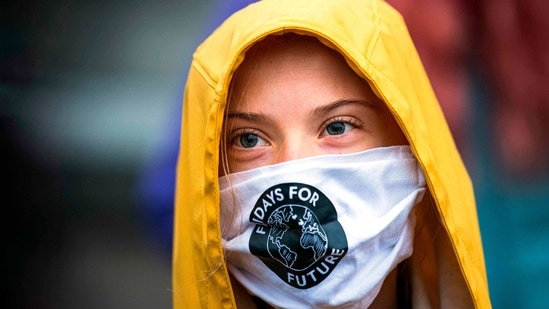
[{"x": 373, "y": 38}]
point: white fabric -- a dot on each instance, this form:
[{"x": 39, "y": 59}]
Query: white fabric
[{"x": 314, "y": 254}]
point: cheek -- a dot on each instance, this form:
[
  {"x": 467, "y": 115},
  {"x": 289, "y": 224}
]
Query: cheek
[
  {"x": 239, "y": 165},
  {"x": 354, "y": 141},
  {"x": 389, "y": 132}
]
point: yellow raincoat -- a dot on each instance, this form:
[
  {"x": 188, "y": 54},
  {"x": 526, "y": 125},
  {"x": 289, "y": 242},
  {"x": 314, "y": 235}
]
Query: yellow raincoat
[{"x": 447, "y": 265}]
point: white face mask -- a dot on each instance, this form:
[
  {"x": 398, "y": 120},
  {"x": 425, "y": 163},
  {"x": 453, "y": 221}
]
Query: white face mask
[{"x": 321, "y": 231}]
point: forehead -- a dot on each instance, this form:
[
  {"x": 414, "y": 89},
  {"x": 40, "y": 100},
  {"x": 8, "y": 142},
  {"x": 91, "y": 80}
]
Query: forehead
[
  {"x": 278, "y": 52},
  {"x": 287, "y": 63}
]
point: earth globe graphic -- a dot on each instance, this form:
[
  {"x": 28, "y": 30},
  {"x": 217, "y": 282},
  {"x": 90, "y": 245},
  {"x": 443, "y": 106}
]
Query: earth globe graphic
[{"x": 296, "y": 238}]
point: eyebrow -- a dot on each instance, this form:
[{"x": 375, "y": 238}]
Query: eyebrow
[
  {"x": 343, "y": 102},
  {"x": 254, "y": 117},
  {"x": 321, "y": 110}
]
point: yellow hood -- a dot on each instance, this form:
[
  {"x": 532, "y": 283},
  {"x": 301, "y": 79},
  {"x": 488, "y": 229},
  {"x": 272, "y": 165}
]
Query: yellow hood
[{"x": 374, "y": 40}]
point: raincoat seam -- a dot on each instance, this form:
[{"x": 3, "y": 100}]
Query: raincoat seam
[{"x": 203, "y": 72}]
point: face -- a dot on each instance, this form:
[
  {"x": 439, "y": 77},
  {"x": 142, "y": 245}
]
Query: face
[{"x": 298, "y": 99}]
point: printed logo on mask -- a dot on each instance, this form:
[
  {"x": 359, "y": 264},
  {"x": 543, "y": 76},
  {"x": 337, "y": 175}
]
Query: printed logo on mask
[{"x": 297, "y": 234}]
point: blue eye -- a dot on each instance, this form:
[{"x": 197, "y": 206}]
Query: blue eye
[
  {"x": 337, "y": 128},
  {"x": 248, "y": 140}
]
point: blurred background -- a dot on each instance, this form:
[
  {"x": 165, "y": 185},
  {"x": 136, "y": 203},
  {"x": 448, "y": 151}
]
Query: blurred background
[{"x": 90, "y": 96}]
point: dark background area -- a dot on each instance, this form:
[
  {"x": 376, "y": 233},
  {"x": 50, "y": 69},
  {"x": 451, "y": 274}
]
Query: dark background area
[
  {"x": 90, "y": 96},
  {"x": 88, "y": 91}
]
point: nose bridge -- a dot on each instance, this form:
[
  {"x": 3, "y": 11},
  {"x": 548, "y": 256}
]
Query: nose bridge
[{"x": 294, "y": 147}]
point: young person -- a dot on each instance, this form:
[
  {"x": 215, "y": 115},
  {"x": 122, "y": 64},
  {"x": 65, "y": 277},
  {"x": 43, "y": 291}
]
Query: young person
[{"x": 317, "y": 170}]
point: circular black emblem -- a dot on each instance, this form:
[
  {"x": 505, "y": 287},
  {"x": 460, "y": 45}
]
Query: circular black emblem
[{"x": 297, "y": 234}]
